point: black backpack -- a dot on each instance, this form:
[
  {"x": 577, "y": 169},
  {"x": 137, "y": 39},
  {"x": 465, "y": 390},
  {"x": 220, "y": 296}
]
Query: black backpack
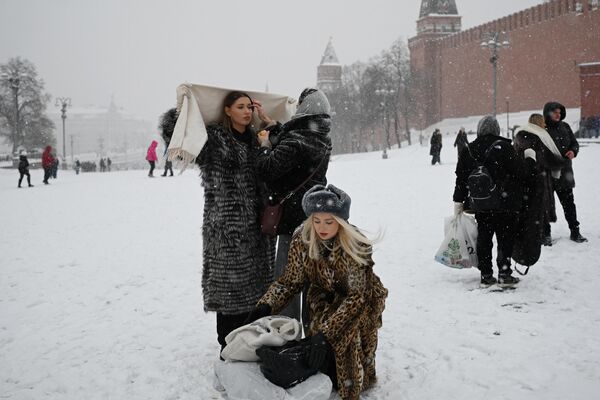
[{"x": 484, "y": 193}]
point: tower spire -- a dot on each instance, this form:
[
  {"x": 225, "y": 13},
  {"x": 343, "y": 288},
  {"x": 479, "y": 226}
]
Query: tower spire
[{"x": 443, "y": 7}]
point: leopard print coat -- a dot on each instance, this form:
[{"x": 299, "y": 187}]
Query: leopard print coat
[{"x": 345, "y": 300}]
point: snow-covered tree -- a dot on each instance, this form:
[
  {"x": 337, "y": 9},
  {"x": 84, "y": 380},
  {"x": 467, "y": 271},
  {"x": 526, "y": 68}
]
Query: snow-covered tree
[{"x": 23, "y": 119}]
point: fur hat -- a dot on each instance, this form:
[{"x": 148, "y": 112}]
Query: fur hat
[
  {"x": 243, "y": 342},
  {"x": 328, "y": 199},
  {"x": 488, "y": 126}
]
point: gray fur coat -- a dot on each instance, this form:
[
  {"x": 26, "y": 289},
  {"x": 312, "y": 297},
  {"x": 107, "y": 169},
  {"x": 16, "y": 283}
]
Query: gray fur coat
[{"x": 237, "y": 258}]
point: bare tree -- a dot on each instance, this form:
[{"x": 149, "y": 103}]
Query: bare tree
[{"x": 23, "y": 119}]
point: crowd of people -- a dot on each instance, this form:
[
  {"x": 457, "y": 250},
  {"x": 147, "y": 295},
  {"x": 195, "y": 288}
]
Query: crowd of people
[{"x": 510, "y": 187}]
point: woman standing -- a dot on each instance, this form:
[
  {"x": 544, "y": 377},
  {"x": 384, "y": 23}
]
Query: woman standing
[
  {"x": 237, "y": 258},
  {"x": 293, "y": 158},
  {"x": 151, "y": 157},
  {"x": 345, "y": 297}
]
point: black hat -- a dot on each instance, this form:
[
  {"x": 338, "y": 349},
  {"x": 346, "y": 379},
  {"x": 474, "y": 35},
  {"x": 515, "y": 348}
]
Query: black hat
[{"x": 328, "y": 199}]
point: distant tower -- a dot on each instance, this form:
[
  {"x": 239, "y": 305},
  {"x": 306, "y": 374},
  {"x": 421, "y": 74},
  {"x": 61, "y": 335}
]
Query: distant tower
[
  {"x": 329, "y": 72},
  {"x": 438, "y": 18}
]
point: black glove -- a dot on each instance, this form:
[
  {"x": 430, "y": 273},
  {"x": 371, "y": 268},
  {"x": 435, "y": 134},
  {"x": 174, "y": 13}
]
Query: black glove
[
  {"x": 319, "y": 347},
  {"x": 261, "y": 310}
]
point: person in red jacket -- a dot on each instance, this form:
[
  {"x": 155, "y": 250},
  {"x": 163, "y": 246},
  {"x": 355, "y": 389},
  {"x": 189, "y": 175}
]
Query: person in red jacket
[
  {"x": 47, "y": 162},
  {"x": 152, "y": 157}
]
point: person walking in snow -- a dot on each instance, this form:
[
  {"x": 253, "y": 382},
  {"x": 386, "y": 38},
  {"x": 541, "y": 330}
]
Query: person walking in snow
[
  {"x": 492, "y": 158},
  {"x": 55, "y": 167},
  {"x": 237, "y": 257},
  {"x": 47, "y": 162},
  {"x": 345, "y": 297},
  {"x": 108, "y": 163},
  {"x": 24, "y": 168},
  {"x": 77, "y": 167},
  {"x": 436, "y": 147},
  {"x": 102, "y": 165},
  {"x": 561, "y": 133},
  {"x": 151, "y": 157},
  {"x": 539, "y": 193},
  {"x": 294, "y": 157},
  {"x": 461, "y": 140}
]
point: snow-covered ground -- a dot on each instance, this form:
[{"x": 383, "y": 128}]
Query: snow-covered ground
[{"x": 100, "y": 290}]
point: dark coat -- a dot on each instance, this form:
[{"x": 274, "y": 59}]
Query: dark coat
[
  {"x": 23, "y": 164},
  {"x": 238, "y": 259},
  {"x": 565, "y": 140},
  {"x": 461, "y": 141},
  {"x": 436, "y": 144},
  {"x": 505, "y": 167},
  {"x": 299, "y": 146}
]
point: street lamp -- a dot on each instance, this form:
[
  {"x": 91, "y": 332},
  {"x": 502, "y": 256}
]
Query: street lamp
[
  {"x": 14, "y": 81},
  {"x": 63, "y": 103},
  {"x": 508, "y": 117},
  {"x": 494, "y": 41},
  {"x": 384, "y": 93}
]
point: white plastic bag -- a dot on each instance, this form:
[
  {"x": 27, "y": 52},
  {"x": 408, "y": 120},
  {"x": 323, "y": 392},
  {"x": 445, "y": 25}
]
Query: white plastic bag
[
  {"x": 458, "y": 249},
  {"x": 244, "y": 381}
]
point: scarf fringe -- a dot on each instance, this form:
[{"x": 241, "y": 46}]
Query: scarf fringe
[{"x": 181, "y": 158}]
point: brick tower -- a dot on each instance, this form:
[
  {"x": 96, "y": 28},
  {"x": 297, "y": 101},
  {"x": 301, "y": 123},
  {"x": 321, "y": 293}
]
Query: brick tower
[
  {"x": 437, "y": 19},
  {"x": 329, "y": 72}
]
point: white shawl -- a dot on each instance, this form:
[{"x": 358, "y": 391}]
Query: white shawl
[
  {"x": 547, "y": 141},
  {"x": 201, "y": 105}
]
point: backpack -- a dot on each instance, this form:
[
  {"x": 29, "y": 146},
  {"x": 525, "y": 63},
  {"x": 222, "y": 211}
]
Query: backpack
[{"x": 484, "y": 193}]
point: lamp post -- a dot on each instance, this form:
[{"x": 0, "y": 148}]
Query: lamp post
[
  {"x": 14, "y": 81},
  {"x": 384, "y": 93},
  {"x": 494, "y": 43},
  {"x": 508, "y": 117},
  {"x": 63, "y": 103}
]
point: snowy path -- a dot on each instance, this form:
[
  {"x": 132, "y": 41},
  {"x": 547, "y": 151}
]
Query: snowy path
[{"x": 100, "y": 290}]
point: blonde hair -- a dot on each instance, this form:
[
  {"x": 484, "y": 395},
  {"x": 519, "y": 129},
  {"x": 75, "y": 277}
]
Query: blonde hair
[
  {"x": 352, "y": 241},
  {"x": 537, "y": 119}
]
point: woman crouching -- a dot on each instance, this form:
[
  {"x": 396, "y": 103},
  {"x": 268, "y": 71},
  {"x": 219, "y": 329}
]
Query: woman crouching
[{"x": 345, "y": 297}]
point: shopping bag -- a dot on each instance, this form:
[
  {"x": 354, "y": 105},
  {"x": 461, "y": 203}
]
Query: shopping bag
[{"x": 458, "y": 249}]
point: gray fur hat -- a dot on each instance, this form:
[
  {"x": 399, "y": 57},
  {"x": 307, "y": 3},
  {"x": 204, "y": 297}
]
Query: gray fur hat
[
  {"x": 488, "y": 126},
  {"x": 327, "y": 200}
]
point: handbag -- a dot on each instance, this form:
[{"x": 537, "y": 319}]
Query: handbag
[{"x": 272, "y": 213}]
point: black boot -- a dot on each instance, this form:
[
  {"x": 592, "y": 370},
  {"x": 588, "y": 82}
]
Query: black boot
[
  {"x": 507, "y": 280},
  {"x": 576, "y": 236},
  {"x": 487, "y": 280}
]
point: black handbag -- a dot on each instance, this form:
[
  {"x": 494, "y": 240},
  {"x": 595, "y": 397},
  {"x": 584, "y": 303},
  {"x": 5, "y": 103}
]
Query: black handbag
[{"x": 271, "y": 216}]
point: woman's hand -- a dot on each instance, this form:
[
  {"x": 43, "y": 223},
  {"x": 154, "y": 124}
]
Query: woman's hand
[
  {"x": 263, "y": 138},
  {"x": 261, "y": 112}
]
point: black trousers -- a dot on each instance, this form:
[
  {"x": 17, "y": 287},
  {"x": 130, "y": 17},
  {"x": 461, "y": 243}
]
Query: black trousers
[
  {"x": 47, "y": 174},
  {"x": 567, "y": 200},
  {"x": 22, "y": 174},
  {"x": 504, "y": 226},
  {"x": 226, "y": 323},
  {"x": 168, "y": 167},
  {"x": 436, "y": 159},
  {"x": 152, "y": 165}
]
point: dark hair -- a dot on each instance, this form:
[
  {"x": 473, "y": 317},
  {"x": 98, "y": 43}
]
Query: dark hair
[
  {"x": 230, "y": 99},
  {"x": 305, "y": 93}
]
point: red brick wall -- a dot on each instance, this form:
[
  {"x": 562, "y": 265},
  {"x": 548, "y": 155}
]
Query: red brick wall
[
  {"x": 590, "y": 90},
  {"x": 547, "y": 44}
]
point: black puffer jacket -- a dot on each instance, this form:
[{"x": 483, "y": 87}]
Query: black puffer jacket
[
  {"x": 504, "y": 165},
  {"x": 565, "y": 140},
  {"x": 299, "y": 146}
]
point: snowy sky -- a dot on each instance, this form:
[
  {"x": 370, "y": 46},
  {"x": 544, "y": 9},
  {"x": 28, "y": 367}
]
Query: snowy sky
[{"x": 140, "y": 50}]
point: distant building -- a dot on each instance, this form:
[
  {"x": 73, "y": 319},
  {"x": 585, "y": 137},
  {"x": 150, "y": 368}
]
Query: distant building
[{"x": 102, "y": 130}]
